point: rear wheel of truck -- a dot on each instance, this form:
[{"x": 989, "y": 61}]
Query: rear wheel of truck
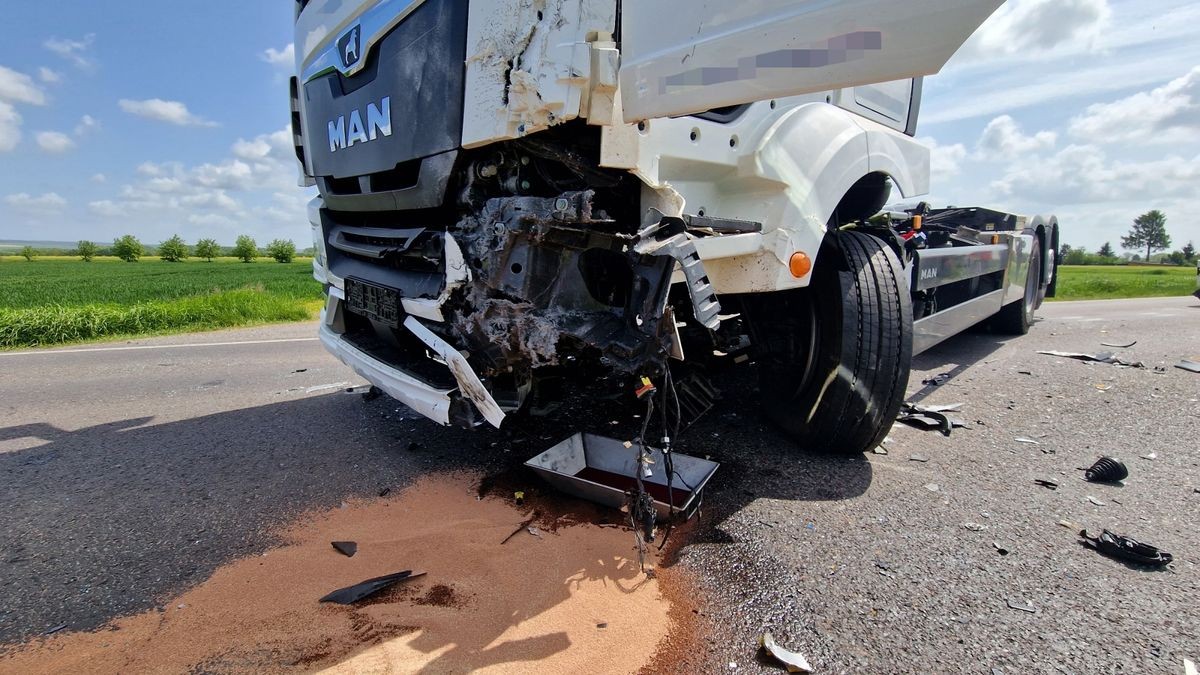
[
  {"x": 834, "y": 358},
  {"x": 1015, "y": 318}
]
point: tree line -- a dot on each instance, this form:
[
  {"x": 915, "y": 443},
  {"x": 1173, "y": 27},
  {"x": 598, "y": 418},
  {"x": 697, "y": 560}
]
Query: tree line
[
  {"x": 1149, "y": 232},
  {"x": 130, "y": 249}
]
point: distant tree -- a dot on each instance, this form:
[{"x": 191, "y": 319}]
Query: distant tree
[
  {"x": 128, "y": 248},
  {"x": 1136, "y": 258},
  {"x": 1106, "y": 251},
  {"x": 1176, "y": 258},
  {"x": 1064, "y": 251},
  {"x": 1189, "y": 252},
  {"x": 28, "y": 253},
  {"x": 282, "y": 250},
  {"x": 1149, "y": 231},
  {"x": 86, "y": 250},
  {"x": 173, "y": 250},
  {"x": 207, "y": 249},
  {"x": 245, "y": 249}
]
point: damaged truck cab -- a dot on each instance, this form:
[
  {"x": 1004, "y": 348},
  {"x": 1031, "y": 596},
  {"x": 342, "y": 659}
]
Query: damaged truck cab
[{"x": 521, "y": 198}]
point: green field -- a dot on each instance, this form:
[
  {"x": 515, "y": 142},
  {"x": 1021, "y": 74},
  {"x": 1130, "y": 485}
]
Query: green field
[
  {"x": 57, "y": 300},
  {"x": 1101, "y": 282}
]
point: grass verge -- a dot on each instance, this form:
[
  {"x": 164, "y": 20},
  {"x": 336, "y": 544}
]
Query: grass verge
[
  {"x": 54, "y": 301},
  {"x": 1095, "y": 282}
]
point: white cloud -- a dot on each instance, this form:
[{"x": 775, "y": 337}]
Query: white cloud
[
  {"x": 10, "y": 127},
  {"x": 1003, "y": 138},
  {"x": 99, "y": 178},
  {"x": 172, "y": 112},
  {"x": 226, "y": 197},
  {"x": 106, "y": 207},
  {"x": 19, "y": 88},
  {"x": 49, "y": 76},
  {"x": 75, "y": 51},
  {"x": 944, "y": 160},
  {"x": 1085, "y": 174},
  {"x": 54, "y": 141},
  {"x": 1033, "y": 27},
  {"x": 1168, "y": 114},
  {"x": 283, "y": 58},
  {"x": 86, "y": 123},
  {"x": 49, "y": 202}
]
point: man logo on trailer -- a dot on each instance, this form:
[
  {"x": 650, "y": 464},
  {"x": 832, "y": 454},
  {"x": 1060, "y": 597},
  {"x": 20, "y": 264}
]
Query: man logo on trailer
[
  {"x": 379, "y": 123},
  {"x": 349, "y": 46}
]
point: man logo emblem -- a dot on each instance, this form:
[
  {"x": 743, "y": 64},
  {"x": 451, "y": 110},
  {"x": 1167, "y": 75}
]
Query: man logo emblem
[{"x": 349, "y": 46}]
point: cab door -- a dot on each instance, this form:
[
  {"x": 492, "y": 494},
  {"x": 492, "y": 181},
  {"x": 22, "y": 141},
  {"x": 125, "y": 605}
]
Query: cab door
[{"x": 686, "y": 56}]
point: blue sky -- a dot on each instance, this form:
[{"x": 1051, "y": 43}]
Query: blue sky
[{"x": 122, "y": 116}]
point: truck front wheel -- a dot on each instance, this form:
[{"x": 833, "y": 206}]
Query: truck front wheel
[{"x": 834, "y": 358}]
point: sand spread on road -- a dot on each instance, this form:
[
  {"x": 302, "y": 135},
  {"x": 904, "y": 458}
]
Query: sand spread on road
[{"x": 571, "y": 600}]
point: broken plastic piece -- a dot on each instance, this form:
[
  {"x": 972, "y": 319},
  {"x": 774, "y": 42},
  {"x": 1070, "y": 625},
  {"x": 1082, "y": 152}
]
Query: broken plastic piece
[
  {"x": 346, "y": 548},
  {"x": 925, "y": 418},
  {"x": 1125, "y": 548},
  {"x": 1189, "y": 365},
  {"x": 937, "y": 380},
  {"x": 1095, "y": 501},
  {"x": 1107, "y": 344},
  {"x": 1023, "y": 605},
  {"x": 1102, "y": 357},
  {"x": 794, "y": 661},
  {"x": 55, "y": 629},
  {"x": 519, "y": 496},
  {"x": 1030, "y": 441},
  {"x": 1106, "y": 470},
  {"x": 352, "y": 594}
]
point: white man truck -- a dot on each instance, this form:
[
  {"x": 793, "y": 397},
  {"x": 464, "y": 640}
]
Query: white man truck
[{"x": 520, "y": 200}]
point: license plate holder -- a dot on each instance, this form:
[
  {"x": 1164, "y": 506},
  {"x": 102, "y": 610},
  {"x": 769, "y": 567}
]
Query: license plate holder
[{"x": 374, "y": 301}]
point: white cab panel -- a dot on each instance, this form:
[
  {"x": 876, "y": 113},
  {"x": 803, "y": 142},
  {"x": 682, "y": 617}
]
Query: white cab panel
[{"x": 686, "y": 56}]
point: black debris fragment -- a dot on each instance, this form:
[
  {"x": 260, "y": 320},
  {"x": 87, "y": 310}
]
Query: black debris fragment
[
  {"x": 1109, "y": 344},
  {"x": 1189, "y": 365},
  {"x": 300, "y": 370},
  {"x": 1127, "y": 549},
  {"x": 924, "y": 418},
  {"x": 384, "y": 492},
  {"x": 55, "y": 629},
  {"x": 363, "y": 589},
  {"x": 937, "y": 380},
  {"x": 1106, "y": 470},
  {"x": 1046, "y": 483},
  {"x": 372, "y": 393},
  {"x": 520, "y": 528},
  {"x": 346, "y": 548}
]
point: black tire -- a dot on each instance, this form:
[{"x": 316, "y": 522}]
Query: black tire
[
  {"x": 1015, "y": 318},
  {"x": 834, "y": 358}
]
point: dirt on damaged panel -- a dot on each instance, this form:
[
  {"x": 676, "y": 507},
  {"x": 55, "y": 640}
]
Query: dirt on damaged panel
[{"x": 560, "y": 599}]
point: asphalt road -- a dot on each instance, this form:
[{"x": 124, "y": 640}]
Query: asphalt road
[{"x": 130, "y": 470}]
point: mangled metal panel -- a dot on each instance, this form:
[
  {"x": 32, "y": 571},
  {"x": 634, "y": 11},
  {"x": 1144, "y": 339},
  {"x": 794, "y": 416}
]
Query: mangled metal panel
[{"x": 528, "y": 64}]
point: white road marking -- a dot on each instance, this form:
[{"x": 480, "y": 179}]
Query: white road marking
[{"x": 136, "y": 347}]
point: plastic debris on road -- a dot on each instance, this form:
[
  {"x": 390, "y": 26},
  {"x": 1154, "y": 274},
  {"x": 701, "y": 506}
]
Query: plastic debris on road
[
  {"x": 346, "y": 548},
  {"x": 1102, "y": 357},
  {"x": 793, "y": 661},
  {"x": 1106, "y": 470},
  {"x": 1126, "y": 549},
  {"x": 1189, "y": 365},
  {"x": 352, "y": 594},
  {"x": 1023, "y": 605}
]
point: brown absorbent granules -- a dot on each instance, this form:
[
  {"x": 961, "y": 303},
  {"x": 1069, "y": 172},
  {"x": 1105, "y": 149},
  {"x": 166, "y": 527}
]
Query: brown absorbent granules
[{"x": 533, "y": 604}]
